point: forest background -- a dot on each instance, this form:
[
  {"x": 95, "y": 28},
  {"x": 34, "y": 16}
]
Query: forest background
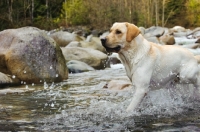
[{"x": 98, "y": 14}]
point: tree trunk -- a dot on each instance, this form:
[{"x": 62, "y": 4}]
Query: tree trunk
[
  {"x": 47, "y": 8},
  {"x": 156, "y": 10},
  {"x": 32, "y": 11},
  {"x": 10, "y": 2},
  {"x": 130, "y": 11},
  {"x": 163, "y": 13}
]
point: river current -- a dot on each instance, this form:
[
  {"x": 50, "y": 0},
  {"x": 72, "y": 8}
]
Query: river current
[{"x": 82, "y": 103}]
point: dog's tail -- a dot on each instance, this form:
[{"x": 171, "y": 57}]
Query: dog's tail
[{"x": 197, "y": 57}]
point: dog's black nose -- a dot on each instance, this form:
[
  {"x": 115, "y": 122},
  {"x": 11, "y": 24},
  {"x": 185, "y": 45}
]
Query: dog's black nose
[{"x": 103, "y": 40}]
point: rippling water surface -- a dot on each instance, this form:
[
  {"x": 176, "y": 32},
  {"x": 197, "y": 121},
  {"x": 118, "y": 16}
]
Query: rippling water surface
[{"x": 83, "y": 103}]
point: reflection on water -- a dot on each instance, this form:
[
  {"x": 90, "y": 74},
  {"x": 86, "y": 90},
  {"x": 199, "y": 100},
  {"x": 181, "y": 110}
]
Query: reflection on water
[{"x": 81, "y": 103}]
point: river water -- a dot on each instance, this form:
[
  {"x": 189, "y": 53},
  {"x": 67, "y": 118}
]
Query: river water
[{"x": 82, "y": 103}]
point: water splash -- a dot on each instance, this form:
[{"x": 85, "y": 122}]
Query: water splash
[
  {"x": 85, "y": 105},
  {"x": 46, "y": 85}
]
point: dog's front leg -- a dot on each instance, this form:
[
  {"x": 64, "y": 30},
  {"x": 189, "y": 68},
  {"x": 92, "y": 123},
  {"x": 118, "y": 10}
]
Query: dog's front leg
[
  {"x": 138, "y": 96},
  {"x": 141, "y": 80}
]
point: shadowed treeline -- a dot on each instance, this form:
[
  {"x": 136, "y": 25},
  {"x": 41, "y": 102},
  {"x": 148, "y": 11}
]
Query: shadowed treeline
[{"x": 50, "y": 14}]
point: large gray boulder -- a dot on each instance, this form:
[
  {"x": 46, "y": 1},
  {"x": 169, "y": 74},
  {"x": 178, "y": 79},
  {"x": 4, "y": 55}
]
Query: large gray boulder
[
  {"x": 32, "y": 56},
  {"x": 94, "y": 58}
]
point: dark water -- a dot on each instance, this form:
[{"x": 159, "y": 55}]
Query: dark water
[{"x": 82, "y": 104}]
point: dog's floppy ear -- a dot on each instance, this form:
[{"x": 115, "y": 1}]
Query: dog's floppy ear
[{"x": 132, "y": 32}]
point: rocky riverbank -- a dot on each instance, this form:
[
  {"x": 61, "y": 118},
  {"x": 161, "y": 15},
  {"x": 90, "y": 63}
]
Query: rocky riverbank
[{"x": 29, "y": 55}]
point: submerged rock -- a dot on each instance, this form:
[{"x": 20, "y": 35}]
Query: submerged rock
[
  {"x": 119, "y": 84},
  {"x": 32, "y": 56},
  {"x": 75, "y": 66}
]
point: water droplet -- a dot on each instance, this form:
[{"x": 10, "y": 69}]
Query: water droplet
[
  {"x": 52, "y": 104},
  {"x": 52, "y": 85},
  {"x": 33, "y": 84},
  {"x": 26, "y": 86},
  {"x": 24, "y": 71},
  {"x": 56, "y": 75},
  {"x": 59, "y": 109},
  {"x": 45, "y": 85},
  {"x": 50, "y": 67},
  {"x": 13, "y": 76},
  {"x": 24, "y": 82}
]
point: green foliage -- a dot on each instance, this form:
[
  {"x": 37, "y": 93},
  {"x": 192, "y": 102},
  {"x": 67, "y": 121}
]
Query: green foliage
[
  {"x": 74, "y": 12},
  {"x": 175, "y": 11},
  {"x": 193, "y": 12}
]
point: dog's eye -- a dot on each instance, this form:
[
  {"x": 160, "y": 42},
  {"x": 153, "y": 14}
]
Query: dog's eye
[{"x": 118, "y": 32}]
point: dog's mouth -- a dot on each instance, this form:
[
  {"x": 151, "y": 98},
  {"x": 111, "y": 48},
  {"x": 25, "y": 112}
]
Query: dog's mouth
[{"x": 115, "y": 49}]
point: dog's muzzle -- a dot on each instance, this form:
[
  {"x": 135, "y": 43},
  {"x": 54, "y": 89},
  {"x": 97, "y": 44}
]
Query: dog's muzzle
[{"x": 108, "y": 49}]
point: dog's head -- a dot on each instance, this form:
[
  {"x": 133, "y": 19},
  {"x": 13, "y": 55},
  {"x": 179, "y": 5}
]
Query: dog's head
[{"x": 120, "y": 36}]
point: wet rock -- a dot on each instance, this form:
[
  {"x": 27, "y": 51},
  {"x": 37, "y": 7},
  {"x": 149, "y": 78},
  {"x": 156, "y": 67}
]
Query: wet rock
[
  {"x": 63, "y": 38},
  {"x": 122, "y": 84},
  {"x": 142, "y": 30},
  {"x": 92, "y": 57},
  {"x": 184, "y": 41},
  {"x": 75, "y": 66},
  {"x": 180, "y": 34},
  {"x": 197, "y": 35},
  {"x": 7, "y": 80},
  {"x": 153, "y": 39},
  {"x": 153, "y": 34},
  {"x": 114, "y": 59},
  {"x": 178, "y": 29},
  {"x": 32, "y": 56},
  {"x": 154, "y": 31},
  {"x": 194, "y": 34},
  {"x": 198, "y": 41},
  {"x": 192, "y": 46},
  {"x": 96, "y": 32},
  {"x": 104, "y": 34},
  {"x": 93, "y": 43},
  {"x": 74, "y": 44},
  {"x": 167, "y": 40}
]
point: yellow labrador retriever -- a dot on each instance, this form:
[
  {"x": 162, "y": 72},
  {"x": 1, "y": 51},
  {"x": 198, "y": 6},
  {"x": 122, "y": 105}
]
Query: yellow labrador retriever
[{"x": 148, "y": 64}]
